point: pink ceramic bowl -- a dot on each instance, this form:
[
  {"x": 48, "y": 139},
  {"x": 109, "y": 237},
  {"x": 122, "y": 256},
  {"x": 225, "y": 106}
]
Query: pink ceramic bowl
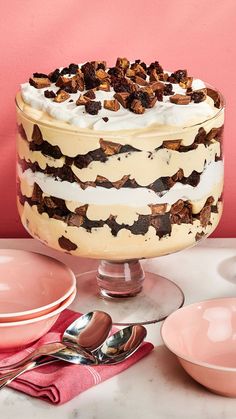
[
  {"x": 31, "y": 284},
  {"x": 17, "y": 334},
  {"x": 203, "y": 336}
]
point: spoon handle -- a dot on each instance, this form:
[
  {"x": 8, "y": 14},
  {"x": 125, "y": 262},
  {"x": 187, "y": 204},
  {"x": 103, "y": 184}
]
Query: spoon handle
[
  {"x": 40, "y": 362},
  {"x": 77, "y": 357},
  {"x": 46, "y": 349},
  {"x": 10, "y": 377}
]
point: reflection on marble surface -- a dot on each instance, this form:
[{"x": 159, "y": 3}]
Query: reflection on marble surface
[{"x": 227, "y": 269}]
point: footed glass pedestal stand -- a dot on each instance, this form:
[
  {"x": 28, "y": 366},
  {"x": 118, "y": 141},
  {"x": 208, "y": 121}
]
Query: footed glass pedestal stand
[{"x": 127, "y": 293}]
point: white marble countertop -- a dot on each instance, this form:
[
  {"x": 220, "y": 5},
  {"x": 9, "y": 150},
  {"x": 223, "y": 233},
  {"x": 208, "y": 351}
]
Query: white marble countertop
[{"x": 156, "y": 387}]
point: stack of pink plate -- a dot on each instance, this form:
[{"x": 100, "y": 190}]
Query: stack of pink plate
[{"x": 34, "y": 290}]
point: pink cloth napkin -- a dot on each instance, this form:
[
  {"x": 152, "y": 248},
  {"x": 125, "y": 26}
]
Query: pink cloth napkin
[{"x": 61, "y": 382}]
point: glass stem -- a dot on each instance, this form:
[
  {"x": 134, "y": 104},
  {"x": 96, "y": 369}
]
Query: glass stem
[{"x": 120, "y": 279}]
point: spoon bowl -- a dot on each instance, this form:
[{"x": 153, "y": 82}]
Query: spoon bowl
[
  {"x": 89, "y": 331},
  {"x": 115, "y": 349},
  {"x": 121, "y": 344}
]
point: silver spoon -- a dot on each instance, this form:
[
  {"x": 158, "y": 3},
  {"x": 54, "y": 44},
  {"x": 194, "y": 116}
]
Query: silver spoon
[
  {"x": 115, "y": 349},
  {"x": 88, "y": 332},
  {"x": 120, "y": 345}
]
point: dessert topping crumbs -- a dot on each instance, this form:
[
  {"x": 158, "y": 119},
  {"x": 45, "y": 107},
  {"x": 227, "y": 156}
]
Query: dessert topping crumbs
[
  {"x": 61, "y": 96},
  {"x": 180, "y": 99},
  {"x": 90, "y": 94},
  {"x": 39, "y": 82},
  {"x": 112, "y": 105},
  {"x": 92, "y": 107},
  {"x": 198, "y": 96},
  {"x": 136, "y": 86},
  {"x": 49, "y": 94},
  {"x": 82, "y": 100}
]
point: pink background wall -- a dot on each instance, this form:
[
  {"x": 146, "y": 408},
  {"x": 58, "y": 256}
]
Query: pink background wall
[{"x": 40, "y": 35}]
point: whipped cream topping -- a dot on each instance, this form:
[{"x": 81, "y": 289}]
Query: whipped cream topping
[
  {"x": 163, "y": 113},
  {"x": 133, "y": 197}
]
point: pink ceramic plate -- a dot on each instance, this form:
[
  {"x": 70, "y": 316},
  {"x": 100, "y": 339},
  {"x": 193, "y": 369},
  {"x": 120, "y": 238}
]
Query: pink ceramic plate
[
  {"x": 31, "y": 284},
  {"x": 17, "y": 334},
  {"x": 203, "y": 336}
]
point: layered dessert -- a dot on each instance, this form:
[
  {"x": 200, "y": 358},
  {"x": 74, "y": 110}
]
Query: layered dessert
[{"x": 119, "y": 162}]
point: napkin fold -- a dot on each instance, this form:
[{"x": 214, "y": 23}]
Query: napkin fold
[{"x": 60, "y": 382}]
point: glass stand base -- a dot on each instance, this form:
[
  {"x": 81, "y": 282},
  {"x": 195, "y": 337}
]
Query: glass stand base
[{"x": 158, "y": 298}]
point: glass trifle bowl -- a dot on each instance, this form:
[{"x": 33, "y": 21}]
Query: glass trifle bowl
[{"x": 121, "y": 194}]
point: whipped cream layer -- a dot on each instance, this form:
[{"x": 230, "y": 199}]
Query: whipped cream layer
[
  {"x": 212, "y": 175},
  {"x": 163, "y": 113}
]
